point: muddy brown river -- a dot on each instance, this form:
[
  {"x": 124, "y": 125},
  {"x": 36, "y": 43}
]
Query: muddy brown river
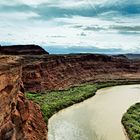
[{"x": 98, "y": 118}]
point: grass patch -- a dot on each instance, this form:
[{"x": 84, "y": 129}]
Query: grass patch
[
  {"x": 53, "y": 101},
  {"x": 131, "y": 122}
]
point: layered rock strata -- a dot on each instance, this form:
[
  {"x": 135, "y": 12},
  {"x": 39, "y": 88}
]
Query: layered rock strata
[{"x": 62, "y": 71}]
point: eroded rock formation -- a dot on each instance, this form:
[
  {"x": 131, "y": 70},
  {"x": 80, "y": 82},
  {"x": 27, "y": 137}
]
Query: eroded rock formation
[
  {"x": 62, "y": 71},
  {"x": 20, "y": 119}
]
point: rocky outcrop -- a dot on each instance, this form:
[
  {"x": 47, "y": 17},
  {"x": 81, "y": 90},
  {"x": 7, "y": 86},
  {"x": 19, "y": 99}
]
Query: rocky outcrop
[
  {"x": 22, "y": 50},
  {"x": 61, "y": 71},
  {"x": 20, "y": 119}
]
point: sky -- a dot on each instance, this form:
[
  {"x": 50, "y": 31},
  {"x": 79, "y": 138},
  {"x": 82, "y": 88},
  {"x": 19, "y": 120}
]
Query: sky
[{"x": 72, "y": 26}]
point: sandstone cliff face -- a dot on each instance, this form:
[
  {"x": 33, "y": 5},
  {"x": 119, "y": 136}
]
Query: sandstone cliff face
[
  {"x": 18, "y": 117},
  {"x": 62, "y": 71}
]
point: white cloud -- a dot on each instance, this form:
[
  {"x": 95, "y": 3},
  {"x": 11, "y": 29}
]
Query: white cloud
[
  {"x": 33, "y": 2},
  {"x": 17, "y": 15},
  {"x": 8, "y": 2},
  {"x": 44, "y": 33},
  {"x": 62, "y": 3},
  {"x": 20, "y": 27}
]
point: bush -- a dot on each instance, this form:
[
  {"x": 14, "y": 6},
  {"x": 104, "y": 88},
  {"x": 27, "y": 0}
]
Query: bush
[{"x": 131, "y": 122}]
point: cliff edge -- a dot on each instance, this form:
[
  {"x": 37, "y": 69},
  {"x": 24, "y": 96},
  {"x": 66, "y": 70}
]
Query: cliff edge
[{"x": 20, "y": 119}]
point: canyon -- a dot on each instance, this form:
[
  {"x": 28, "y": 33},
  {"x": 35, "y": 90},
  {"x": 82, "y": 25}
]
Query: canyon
[{"x": 30, "y": 68}]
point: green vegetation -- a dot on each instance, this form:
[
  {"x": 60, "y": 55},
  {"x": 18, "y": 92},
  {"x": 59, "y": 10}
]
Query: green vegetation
[
  {"x": 131, "y": 122},
  {"x": 53, "y": 101}
]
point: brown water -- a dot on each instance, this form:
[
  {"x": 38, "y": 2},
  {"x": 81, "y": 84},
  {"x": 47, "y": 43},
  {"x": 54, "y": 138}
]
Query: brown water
[{"x": 98, "y": 118}]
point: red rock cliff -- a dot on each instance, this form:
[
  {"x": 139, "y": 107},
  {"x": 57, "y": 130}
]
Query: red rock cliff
[
  {"x": 62, "y": 71},
  {"x": 19, "y": 118}
]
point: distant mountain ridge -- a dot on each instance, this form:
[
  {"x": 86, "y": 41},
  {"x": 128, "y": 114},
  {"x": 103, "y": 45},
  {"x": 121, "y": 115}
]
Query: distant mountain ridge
[
  {"x": 22, "y": 50},
  {"x": 132, "y": 56},
  {"x": 129, "y": 56}
]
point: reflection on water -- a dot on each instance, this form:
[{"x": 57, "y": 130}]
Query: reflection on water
[
  {"x": 64, "y": 130},
  {"x": 98, "y": 118}
]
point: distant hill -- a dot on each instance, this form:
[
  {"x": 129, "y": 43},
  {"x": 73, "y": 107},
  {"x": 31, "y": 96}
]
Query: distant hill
[
  {"x": 120, "y": 56},
  {"x": 22, "y": 50},
  {"x": 132, "y": 56},
  {"x": 129, "y": 56}
]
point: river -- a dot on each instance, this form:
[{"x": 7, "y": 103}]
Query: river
[{"x": 98, "y": 118}]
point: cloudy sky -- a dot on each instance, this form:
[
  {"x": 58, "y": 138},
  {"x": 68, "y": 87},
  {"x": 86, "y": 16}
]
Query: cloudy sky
[{"x": 72, "y": 26}]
